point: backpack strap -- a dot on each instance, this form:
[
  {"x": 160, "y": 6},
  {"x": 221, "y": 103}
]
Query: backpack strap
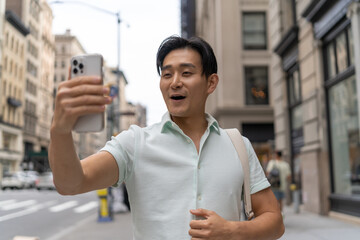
[{"x": 239, "y": 145}]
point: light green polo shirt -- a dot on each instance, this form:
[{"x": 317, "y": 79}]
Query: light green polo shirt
[{"x": 166, "y": 177}]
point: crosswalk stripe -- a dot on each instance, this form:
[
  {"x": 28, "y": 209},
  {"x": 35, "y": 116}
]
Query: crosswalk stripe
[
  {"x": 86, "y": 207},
  {"x": 16, "y": 205},
  {"x": 3, "y": 203},
  {"x": 27, "y": 211},
  {"x": 63, "y": 206}
]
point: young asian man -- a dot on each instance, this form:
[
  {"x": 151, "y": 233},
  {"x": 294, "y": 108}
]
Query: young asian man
[{"x": 183, "y": 174}]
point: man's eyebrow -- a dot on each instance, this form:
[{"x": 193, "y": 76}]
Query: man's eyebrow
[
  {"x": 188, "y": 65},
  {"x": 181, "y": 65}
]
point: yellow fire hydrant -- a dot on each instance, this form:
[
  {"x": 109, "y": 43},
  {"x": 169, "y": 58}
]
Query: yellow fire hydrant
[{"x": 105, "y": 211}]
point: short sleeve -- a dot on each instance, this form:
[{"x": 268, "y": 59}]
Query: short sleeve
[
  {"x": 123, "y": 148},
  {"x": 258, "y": 180}
]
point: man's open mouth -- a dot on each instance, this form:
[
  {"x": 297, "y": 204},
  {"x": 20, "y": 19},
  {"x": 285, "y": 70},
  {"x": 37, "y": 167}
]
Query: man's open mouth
[{"x": 177, "y": 97}]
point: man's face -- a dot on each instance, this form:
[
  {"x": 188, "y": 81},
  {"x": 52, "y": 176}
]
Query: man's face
[{"x": 183, "y": 86}]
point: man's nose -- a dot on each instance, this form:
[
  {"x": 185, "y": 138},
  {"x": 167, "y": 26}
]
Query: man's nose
[{"x": 176, "y": 81}]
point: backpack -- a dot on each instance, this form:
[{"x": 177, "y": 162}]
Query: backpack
[{"x": 274, "y": 177}]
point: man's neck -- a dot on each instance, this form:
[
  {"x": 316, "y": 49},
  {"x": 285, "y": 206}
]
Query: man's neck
[{"x": 192, "y": 125}]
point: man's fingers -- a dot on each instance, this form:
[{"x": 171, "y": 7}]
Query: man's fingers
[
  {"x": 201, "y": 212},
  {"x": 199, "y": 224},
  {"x": 82, "y": 90},
  {"x": 199, "y": 233},
  {"x": 83, "y": 110},
  {"x": 85, "y": 100},
  {"x": 81, "y": 80}
]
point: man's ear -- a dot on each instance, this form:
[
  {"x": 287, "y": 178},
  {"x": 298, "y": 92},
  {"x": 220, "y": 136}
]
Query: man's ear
[{"x": 213, "y": 80}]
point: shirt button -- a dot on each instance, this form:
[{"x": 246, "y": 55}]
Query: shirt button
[
  {"x": 199, "y": 197},
  {"x": 188, "y": 140},
  {"x": 198, "y": 166}
]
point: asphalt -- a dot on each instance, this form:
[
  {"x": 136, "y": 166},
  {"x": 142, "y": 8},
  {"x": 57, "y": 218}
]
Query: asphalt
[{"x": 299, "y": 226}]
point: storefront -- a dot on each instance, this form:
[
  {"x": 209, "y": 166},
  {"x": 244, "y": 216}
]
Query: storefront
[{"x": 333, "y": 26}]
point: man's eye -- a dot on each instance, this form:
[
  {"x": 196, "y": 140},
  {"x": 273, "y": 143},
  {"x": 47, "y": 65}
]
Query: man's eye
[
  {"x": 186, "y": 73},
  {"x": 166, "y": 75}
]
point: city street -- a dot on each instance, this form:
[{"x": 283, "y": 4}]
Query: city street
[{"x": 43, "y": 213}]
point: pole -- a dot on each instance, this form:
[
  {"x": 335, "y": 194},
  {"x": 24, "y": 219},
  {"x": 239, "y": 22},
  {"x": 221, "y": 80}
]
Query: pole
[{"x": 118, "y": 70}]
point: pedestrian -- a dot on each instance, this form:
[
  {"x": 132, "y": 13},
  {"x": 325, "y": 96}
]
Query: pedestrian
[
  {"x": 183, "y": 174},
  {"x": 279, "y": 175}
]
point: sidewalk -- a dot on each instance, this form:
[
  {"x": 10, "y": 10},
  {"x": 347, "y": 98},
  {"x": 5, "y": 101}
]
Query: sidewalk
[
  {"x": 300, "y": 226},
  {"x": 91, "y": 229},
  {"x": 311, "y": 226}
]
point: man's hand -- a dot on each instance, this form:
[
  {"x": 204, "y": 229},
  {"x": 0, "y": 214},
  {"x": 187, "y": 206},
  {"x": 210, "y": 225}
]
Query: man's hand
[
  {"x": 213, "y": 226},
  {"x": 76, "y": 97}
]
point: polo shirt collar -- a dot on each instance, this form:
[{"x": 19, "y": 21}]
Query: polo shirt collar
[{"x": 167, "y": 123}]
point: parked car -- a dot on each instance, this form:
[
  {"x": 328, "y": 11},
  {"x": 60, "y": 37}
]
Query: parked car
[
  {"x": 16, "y": 180},
  {"x": 45, "y": 181},
  {"x": 33, "y": 178}
]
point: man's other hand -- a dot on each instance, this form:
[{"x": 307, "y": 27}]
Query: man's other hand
[{"x": 213, "y": 227}]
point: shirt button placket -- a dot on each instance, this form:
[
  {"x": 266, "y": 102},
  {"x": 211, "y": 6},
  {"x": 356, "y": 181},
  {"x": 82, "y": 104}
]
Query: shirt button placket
[{"x": 198, "y": 189}]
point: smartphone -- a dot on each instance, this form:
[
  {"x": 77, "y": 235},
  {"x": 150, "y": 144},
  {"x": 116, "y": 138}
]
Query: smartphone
[{"x": 88, "y": 65}]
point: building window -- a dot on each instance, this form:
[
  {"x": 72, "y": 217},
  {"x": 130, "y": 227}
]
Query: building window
[
  {"x": 31, "y": 68},
  {"x": 296, "y": 121},
  {"x": 256, "y": 86},
  {"x": 254, "y": 30},
  {"x": 5, "y": 63},
  {"x": 295, "y": 110},
  {"x": 340, "y": 83},
  {"x": 339, "y": 54}
]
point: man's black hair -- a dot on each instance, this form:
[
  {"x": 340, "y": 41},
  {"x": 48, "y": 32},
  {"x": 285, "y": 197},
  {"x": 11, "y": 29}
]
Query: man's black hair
[
  {"x": 279, "y": 154},
  {"x": 171, "y": 43}
]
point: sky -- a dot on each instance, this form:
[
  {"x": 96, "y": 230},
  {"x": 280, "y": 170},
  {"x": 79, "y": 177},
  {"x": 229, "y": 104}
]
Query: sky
[{"x": 145, "y": 24}]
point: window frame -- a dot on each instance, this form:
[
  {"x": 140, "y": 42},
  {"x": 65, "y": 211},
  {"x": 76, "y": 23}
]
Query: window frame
[{"x": 265, "y": 32}]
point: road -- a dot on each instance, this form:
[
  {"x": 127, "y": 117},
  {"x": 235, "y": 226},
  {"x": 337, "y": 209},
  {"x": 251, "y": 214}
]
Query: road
[{"x": 42, "y": 213}]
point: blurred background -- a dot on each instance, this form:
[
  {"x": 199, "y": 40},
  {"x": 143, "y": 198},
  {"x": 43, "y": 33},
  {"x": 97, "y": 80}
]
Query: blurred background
[{"x": 289, "y": 81}]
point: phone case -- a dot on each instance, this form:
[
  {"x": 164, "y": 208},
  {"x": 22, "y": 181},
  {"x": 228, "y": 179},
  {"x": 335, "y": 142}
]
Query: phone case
[{"x": 88, "y": 65}]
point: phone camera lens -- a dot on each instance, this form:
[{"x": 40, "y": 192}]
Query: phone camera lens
[
  {"x": 75, "y": 62},
  {"x": 75, "y": 70},
  {"x": 81, "y": 66}
]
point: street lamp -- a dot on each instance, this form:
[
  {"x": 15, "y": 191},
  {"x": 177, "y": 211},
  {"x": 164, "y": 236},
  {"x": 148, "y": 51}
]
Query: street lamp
[{"x": 117, "y": 71}]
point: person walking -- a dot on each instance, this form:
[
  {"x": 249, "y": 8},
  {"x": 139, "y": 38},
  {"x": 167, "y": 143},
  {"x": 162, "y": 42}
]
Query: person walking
[
  {"x": 183, "y": 175},
  {"x": 279, "y": 174}
]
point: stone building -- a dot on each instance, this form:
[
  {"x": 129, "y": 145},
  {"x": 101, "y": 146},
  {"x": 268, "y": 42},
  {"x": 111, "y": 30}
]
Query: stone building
[
  {"x": 37, "y": 17},
  {"x": 316, "y": 91},
  {"x": 12, "y": 92}
]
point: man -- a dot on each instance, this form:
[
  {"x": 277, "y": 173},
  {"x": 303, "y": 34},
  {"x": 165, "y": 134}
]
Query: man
[
  {"x": 183, "y": 174},
  {"x": 282, "y": 171}
]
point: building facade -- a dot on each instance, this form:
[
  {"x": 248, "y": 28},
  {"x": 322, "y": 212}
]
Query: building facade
[
  {"x": 316, "y": 93},
  {"x": 45, "y": 98},
  {"x": 33, "y": 13},
  {"x": 12, "y": 92},
  {"x": 238, "y": 32}
]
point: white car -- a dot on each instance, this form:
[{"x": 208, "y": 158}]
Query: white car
[
  {"x": 45, "y": 181},
  {"x": 33, "y": 178},
  {"x": 16, "y": 180}
]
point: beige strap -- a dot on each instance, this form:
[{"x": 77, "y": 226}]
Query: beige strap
[{"x": 239, "y": 145}]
